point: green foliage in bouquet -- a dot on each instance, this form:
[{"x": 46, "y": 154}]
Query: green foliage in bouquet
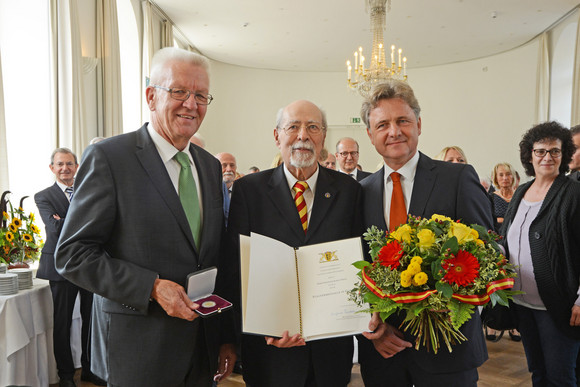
[{"x": 436, "y": 271}]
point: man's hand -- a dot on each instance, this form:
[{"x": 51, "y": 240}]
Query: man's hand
[
  {"x": 286, "y": 341},
  {"x": 388, "y": 340},
  {"x": 55, "y": 216},
  {"x": 575, "y": 318},
  {"x": 227, "y": 359},
  {"x": 174, "y": 300}
]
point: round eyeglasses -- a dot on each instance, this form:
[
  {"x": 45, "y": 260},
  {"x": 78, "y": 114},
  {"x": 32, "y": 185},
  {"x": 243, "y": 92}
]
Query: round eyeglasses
[{"x": 183, "y": 95}]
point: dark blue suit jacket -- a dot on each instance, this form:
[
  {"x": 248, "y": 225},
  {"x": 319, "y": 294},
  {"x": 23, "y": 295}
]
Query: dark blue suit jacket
[
  {"x": 51, "y": 201},
  {"x": 452, "y": 190},
  {"x": 262, "y": 203}
]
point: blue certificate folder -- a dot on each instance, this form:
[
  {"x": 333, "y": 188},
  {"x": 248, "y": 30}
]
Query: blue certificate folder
[
  {"x": 200, "y": 286},
  {"x": 300, "y": 290}
]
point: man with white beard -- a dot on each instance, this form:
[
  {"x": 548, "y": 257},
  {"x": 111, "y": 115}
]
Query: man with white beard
[{"x": 298, "y": 203}]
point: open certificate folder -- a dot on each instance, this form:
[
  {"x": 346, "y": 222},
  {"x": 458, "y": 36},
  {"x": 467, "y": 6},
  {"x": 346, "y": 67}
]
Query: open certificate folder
[{"x": 301, "y": 290}]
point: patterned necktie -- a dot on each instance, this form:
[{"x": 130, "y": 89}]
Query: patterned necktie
[
  {"x": 188, "y": 196},
  {"x": 69, "y": 192},
  {"x": 398, "y": 213},
  {"x": 299, "y": 188}
]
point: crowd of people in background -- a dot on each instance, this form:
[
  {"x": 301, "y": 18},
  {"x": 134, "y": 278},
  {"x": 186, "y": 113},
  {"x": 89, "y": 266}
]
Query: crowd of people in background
[{"x": 141, "y": 310}]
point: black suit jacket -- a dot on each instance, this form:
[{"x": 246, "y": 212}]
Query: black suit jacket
[
  {"x": 574, "y": 175},
  {"x": 452, "y": 190},
  {"x": 51, "y": 201},
  {"x": 125, "y": 228},
  {"x": 262, "y": 203}
]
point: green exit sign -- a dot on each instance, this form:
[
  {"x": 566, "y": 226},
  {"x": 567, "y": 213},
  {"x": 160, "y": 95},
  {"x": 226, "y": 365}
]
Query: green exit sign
[{"x": 355, "y": 120}]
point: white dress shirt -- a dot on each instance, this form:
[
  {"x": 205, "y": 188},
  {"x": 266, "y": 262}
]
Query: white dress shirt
[
  {"x": 309, "y": 193},
  {"x": 407, "y": 172},
  {"x": 167, "y": 152}
]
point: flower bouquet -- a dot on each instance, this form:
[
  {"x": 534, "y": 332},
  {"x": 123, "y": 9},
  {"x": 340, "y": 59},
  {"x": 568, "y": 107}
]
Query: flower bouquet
[
  {"x": 436, "y": 271},
  {"x": 19, "y": 236}
]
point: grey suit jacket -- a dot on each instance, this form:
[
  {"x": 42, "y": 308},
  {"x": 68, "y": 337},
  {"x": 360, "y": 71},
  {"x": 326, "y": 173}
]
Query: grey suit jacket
[
  {"x": 447, "y": 189},
  {"x": 125, "y": 228},
  {"x": 262, "y": 203},
  {"x": 51, "y": 201}
]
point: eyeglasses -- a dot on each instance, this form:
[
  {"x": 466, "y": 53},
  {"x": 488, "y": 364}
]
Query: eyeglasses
[
  {"x": 554, "y": 152},
  {"x": 311, "y": 128},
  {"x": 183, "y": 95},
  {"x": 345, "y": 154}
]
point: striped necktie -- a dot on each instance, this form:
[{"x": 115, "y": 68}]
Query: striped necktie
[
  {"x": 188, "y": 196},
  {"x": 398, "y": 213},
  {"x": 69, "y": 191},
  {"x": 299, "y": 188}
]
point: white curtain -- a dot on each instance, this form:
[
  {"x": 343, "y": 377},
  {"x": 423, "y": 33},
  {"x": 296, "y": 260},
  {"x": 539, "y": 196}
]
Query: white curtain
[
  {"x": 108, "y": 43},
  {"x": 4, "y": 177},
  {"x": 67, "y": 98},
  {"x": 543, "y": 81},
  {"x": 148, "y": 50},
  {"x": 167, "y": 38},
  {"x": 575, "y": 116}
]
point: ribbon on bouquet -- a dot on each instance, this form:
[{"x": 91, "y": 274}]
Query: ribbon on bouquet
[{"x": 407, "y": 298}]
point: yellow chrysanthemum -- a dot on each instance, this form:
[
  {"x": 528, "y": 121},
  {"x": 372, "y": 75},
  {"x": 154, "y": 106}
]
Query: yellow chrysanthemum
[
  {"x": 9, "y": 236},
  {"x": 403, "y": 233},
  {"x": 27, "y": 237},
  {"x": 406, "y": 282},
  {"x": 420, "y": 278},
  {"x": 414, "y": 268},
  {"x": 479, "y": 242},
  {"x": 12, "y": 227},
  {"x": 426, "y": 238},
  {"x": 417, "y": 259},
  {"x": 17, "y": 222},
  {"x": 441, "y": 218},
  {"x": 34, "y": 229},
  {"x": 406, "y": 275}
]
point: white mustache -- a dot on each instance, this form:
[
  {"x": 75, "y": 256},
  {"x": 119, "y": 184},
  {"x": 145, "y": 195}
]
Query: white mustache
[{"x": 303, "y": 145}]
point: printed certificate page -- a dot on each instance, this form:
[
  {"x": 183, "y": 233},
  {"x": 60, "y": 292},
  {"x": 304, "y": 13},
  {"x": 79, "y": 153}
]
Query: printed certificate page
[
  {"x": 326, "y": 276},
  {"x": 270, "y": 302}
]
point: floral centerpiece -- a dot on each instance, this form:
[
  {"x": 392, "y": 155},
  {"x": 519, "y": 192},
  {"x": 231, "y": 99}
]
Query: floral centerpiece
[
  {"x": 436, "y": 271},
  {"x": 19, "y": 237}
]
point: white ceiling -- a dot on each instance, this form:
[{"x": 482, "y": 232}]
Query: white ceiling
[{"x": 320, "y": 35}]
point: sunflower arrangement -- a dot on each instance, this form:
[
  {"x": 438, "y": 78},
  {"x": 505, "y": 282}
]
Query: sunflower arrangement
[
  {"x": 19, "y": 236},
  {"x": 435, "y": 271}
]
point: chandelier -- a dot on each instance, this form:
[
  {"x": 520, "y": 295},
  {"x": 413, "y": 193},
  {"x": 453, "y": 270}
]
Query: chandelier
[{"x": 380, "y": 69}]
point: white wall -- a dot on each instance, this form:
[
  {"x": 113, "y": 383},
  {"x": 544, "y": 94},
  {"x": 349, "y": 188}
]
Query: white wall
[{"x": 483, "y": 106}]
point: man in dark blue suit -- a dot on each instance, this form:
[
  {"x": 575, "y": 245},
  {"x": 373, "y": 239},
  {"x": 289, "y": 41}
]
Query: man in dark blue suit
[
  {"x": 53, "y": 203},
  {"x": 264, "y": 203},
  {"x": 387, "y": 357},
  {"x": 347, "y": 154}
]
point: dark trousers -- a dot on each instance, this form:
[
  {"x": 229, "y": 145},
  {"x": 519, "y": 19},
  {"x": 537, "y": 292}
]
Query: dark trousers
[{"x": 64, "y": 294}]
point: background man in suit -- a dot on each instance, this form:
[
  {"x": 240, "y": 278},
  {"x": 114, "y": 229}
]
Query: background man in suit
[
  {"x": 264, "y": 203},
  {"x": 347, "y": 154},
  {"x": 134, "y": 233},
  {"x": 53, "y": 203},
  {"x": 575, "y": 163},
  {"x": 392, "y": 117},
  {"x": 229, "y": 169}
]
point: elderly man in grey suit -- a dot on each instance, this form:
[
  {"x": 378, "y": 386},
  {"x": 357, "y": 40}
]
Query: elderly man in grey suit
[
  {"x": 392, "y": 117},
  {"x": 148, "y": 212}
]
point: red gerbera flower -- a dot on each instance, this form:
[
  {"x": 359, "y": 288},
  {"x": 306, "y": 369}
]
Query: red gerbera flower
[
  {"x": 390, "y": 254},
  {"x": 462, "y": 269}
]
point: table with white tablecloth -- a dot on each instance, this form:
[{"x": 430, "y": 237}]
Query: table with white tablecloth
[{"x": 26, "y": 346}]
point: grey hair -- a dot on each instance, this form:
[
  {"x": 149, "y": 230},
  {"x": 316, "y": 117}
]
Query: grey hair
[
  {"x": 174, "y": 54},
  {"x": 388, "y": 90},
  {"x": 62, "y": 150},
  {"x": 280, "y": 116}
]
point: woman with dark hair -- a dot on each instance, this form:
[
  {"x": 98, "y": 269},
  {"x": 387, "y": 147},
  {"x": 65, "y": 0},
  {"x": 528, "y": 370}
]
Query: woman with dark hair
[{"x": 542, "y": 239}]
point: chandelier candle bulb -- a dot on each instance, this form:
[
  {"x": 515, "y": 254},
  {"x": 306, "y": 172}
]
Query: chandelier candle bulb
[
  {"x": 393, "y": 54},
  {"x": 405, "y": 67},
  {"x": 400, "y": 51},
  {"x": 355, "y": 61}
]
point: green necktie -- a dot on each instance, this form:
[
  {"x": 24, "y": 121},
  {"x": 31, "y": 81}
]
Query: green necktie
[{"x": 188, "y": 196}]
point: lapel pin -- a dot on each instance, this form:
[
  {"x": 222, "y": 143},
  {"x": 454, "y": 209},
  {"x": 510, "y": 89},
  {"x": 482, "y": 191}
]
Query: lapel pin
[{"x": 327, "y": 195}]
